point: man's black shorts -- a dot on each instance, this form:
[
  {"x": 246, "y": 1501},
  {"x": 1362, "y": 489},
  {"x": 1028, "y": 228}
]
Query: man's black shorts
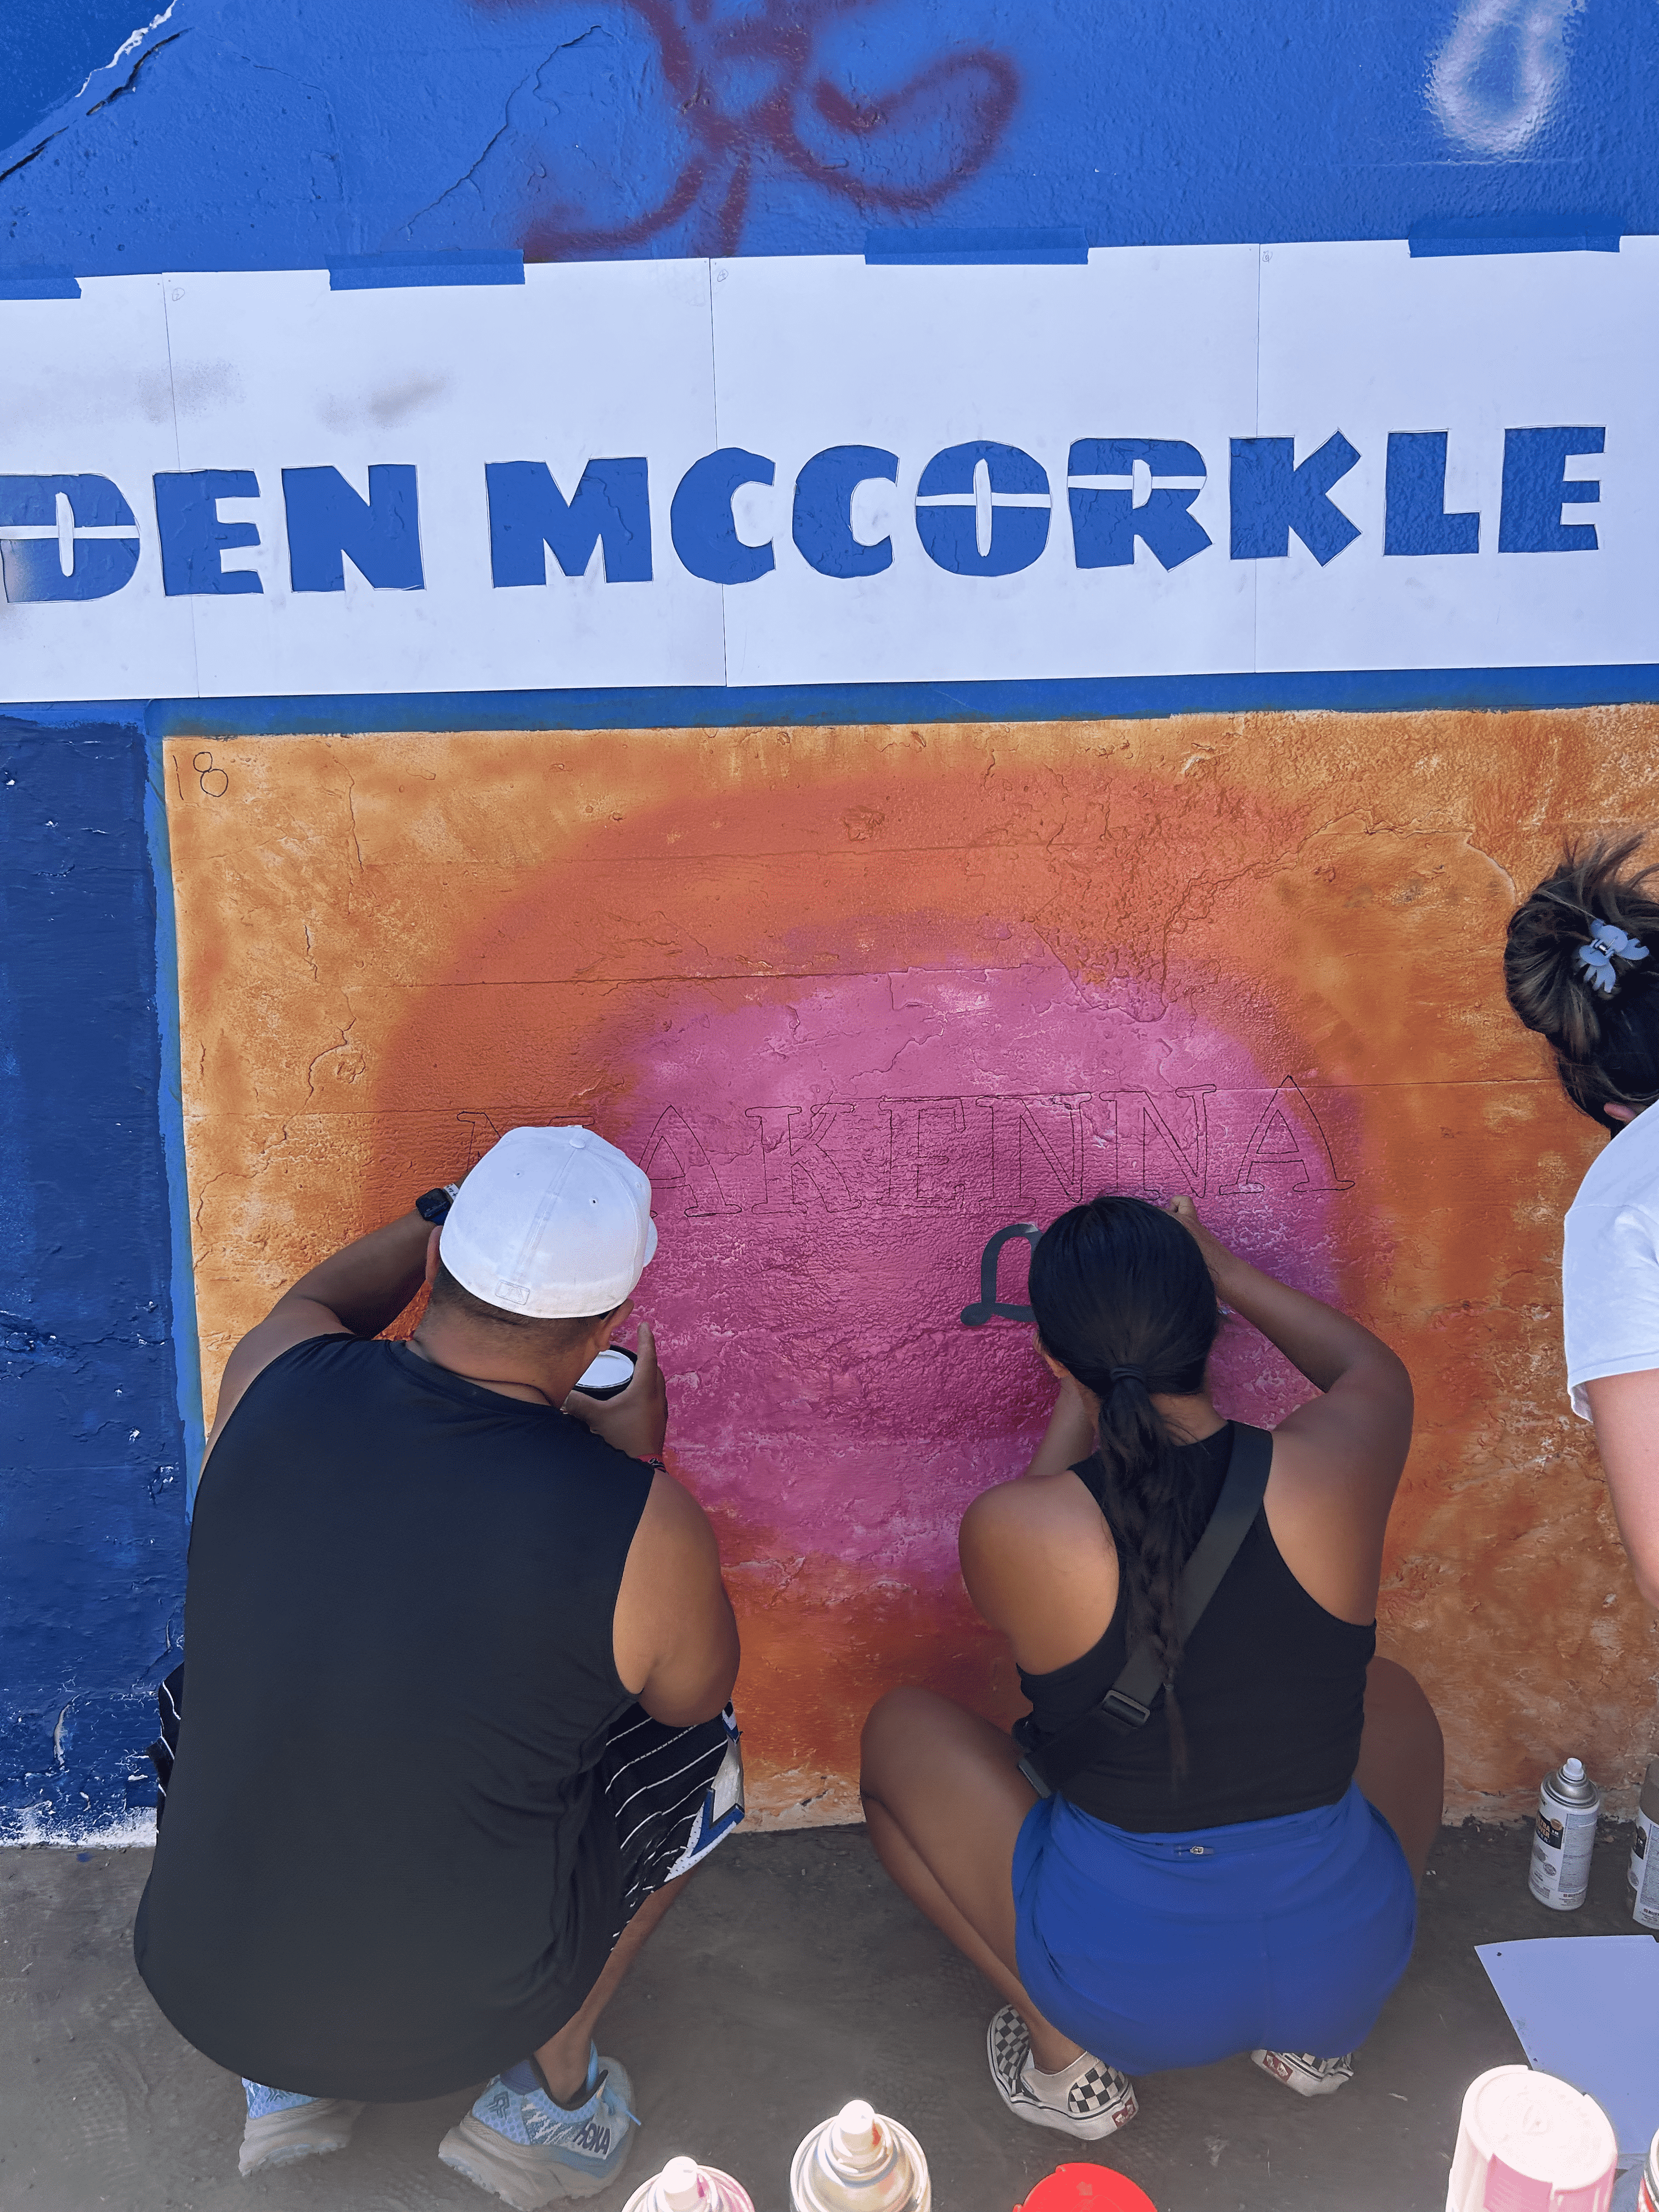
[{"x": 674, "y": 1793}]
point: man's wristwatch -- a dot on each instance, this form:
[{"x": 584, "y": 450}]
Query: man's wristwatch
[{"x": 434, "y": 1206}]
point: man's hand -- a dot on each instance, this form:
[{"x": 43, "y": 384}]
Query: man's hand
[{"x": 635, "y": 1421}]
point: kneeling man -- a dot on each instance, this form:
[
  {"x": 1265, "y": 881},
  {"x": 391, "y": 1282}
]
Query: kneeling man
[{"x": 454, "y": 1718}]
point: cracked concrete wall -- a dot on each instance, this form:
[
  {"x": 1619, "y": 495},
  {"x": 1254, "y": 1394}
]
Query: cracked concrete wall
[
  {"x": 861, "y": 996},
  {"x": 229, "y": 134}
]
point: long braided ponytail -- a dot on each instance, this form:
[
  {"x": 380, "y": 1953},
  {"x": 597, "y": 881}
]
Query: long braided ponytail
[{"x": 1124, "y": 1301}]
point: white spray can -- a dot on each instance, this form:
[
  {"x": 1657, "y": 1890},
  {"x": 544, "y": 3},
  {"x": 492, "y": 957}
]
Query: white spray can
[
  {"x": 1564, "y": 1836},
  {"x": 859, "y": 2162},
  {"x": 1647, "y": 2195},
  {"x": 685, "y": 2186},
  {"x": 1644, "y": 1853}
]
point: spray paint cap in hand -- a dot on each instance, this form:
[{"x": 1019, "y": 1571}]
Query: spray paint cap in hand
[
  {"x": 685, "y": 2186},
  {"x": 859, "y": 2162}
]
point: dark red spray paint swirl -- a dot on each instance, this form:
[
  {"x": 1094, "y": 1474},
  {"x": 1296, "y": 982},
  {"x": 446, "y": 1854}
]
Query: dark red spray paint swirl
[{"x": 974, "y": 91}]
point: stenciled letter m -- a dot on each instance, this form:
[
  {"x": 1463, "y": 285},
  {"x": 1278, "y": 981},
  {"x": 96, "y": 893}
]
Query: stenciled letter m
[{"x": 530, "y": 517}]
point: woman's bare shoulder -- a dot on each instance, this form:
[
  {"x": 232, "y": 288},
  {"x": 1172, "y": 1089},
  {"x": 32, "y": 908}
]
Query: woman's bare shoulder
[
  {"x": 1039, "y": 1565},
  {"x": 1033, "y": 1506},
  {"x": 1038, "y": 1524}
]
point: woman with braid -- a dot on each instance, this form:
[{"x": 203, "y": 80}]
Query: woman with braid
[
  {"x": 1578, "y": 971},
  {"x": 1236, "y": 1870}
]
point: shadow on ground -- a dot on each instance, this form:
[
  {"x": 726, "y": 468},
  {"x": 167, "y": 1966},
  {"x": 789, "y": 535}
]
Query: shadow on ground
[{"x": 792, "y": 1977}]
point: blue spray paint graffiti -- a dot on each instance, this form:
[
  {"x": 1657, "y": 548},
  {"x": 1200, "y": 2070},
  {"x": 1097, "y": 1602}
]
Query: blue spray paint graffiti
[{"x": 230, "y": 136}]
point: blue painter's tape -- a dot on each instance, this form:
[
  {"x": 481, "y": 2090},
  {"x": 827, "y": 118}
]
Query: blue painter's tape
[
  {"x": 38, "y": 284},
  {"x": 1356, "y": 691},
  {"x": 388, "y": 272},
  {"x": 170, "y": 1104},
  {"x": 1516, "y": 233},
  {"x": 1065, "y": 247}
]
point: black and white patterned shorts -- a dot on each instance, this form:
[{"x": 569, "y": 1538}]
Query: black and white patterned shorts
[{"x": 674, "y": 1793}]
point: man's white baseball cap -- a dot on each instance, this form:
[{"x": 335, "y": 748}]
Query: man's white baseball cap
[{"x": 552, "y": 1223}]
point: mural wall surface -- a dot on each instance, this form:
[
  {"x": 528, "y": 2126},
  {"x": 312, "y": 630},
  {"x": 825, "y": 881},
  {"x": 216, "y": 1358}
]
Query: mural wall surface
[
  {"x": 859, "y": 998},
  {"x": 954, "y": 378}
]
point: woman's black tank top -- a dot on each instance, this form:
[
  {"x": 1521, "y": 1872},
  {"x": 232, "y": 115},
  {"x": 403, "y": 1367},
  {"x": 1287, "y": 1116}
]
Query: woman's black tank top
[
  {"x": 378, "y": 1876},
  {"x": 1271, "y": 1690}
]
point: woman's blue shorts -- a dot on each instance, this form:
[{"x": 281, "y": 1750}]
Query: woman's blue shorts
[{"x": 1173, "y": 1950}]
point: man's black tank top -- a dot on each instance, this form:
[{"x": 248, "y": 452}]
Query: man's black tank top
[
  {"x": 378, "y": 1876},
  {"x": 1271, "y": 1690}
]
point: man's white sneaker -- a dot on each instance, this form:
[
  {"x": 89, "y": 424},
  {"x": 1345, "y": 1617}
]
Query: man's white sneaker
[
  {"x": 1088, "y": 2100},
  {"x": 281, "y": 2126},
  {"x": 518, "y": 2144},
  {"x": 1308, "y": 2076}
]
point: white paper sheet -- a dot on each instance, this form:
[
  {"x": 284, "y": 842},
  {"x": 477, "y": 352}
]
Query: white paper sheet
[{"x": 1586, "y": 2007}]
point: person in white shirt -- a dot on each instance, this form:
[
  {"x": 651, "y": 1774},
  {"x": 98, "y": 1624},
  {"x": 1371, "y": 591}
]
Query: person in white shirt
[{"x": 1578, "y": 970}]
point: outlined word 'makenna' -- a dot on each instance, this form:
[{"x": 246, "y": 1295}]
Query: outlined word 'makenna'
[{"x": 980, "y": 509}]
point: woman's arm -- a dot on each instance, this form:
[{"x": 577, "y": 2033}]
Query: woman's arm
[
  {"x": 1337, "y": 1460},
  {"x": 1072, "y": 1434},
  {"x": 1366, "y": 1408},
  {"x": 1625, "y": 1410}
]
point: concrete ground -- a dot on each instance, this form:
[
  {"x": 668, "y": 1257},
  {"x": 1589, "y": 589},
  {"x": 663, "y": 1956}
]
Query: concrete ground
[{"x": 792, "y": 1977}]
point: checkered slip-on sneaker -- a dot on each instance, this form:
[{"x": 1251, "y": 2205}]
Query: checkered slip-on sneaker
[
  {"x": 1088, "y": 2100},
  {"x": 1308, "y": 2076},
  {"x": 281, "y": 2126}
]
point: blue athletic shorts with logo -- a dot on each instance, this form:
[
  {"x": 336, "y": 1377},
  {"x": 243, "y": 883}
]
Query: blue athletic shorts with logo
[{"x": 1174, "y": 1950}]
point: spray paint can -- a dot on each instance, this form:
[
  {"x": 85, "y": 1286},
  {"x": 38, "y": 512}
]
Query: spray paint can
[
  {"x": 1564, "y": 1836},
  {"x": 1525, "y": 2138},
  {"x": 859, "y": 2162},
  {"x": 610, "y": 1374},
  {"x": 1644, "y": 1857},
  {"x": 685, "y": 2186}
]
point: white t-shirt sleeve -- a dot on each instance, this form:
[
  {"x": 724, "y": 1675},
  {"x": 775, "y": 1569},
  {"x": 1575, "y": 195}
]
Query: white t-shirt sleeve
[{"x": 1609, "y": 1293}]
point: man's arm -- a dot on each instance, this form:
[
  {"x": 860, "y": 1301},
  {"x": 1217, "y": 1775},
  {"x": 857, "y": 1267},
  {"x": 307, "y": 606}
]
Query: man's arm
[
  {"x": 673, "y": 1633},
  {"x": 356, "y": 1292},
  {"x": 1626, "y": 1411}
]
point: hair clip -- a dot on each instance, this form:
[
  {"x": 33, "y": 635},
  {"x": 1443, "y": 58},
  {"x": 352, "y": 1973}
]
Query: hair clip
[{"x": 1596, "y": 958}]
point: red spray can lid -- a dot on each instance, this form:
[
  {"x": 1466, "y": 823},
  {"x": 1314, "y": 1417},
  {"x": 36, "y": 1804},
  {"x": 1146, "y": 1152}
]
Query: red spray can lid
[{"x": 1086, "y": 2189}]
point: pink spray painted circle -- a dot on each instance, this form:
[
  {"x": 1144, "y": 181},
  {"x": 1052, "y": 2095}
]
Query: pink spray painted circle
[{"x": 829, "y": 1164}]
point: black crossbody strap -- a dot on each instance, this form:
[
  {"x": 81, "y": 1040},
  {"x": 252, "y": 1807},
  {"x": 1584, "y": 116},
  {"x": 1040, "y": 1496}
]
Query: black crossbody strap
[{"x": 1129, "y": 1704}]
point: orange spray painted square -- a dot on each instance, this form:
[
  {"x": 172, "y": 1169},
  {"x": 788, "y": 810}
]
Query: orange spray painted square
[{"x": 858, "y": 999}]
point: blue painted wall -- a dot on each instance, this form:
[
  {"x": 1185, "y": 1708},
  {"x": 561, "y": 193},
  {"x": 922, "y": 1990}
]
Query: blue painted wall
[
  {"x": 91, "y": 1489},
  {"x": 231, "y": 134},
  {"x": 236, "y": 135}
]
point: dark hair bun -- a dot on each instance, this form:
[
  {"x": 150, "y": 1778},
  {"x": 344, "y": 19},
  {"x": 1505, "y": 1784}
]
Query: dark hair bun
[{"x": 1606, "y": 1047}]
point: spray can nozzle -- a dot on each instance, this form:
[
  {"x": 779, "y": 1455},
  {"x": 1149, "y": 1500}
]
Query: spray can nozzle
[
  {"x": 681, "y": 2185},
  {"x": 859, "y": 2162}
]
